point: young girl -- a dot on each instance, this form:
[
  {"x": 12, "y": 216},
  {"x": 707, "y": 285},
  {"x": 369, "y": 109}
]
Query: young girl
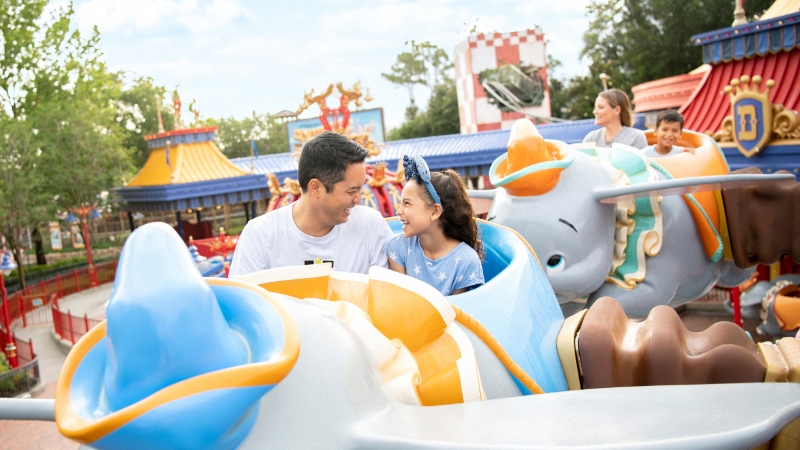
[{"x": 440, "y": 243}]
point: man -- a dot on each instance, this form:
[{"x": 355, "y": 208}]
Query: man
[{"x": 327, "y": 224}]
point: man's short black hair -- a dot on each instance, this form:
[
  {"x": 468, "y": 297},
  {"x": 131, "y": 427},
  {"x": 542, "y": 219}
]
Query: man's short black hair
[
  {"x": 669, "y": 116},
  {"x": 326, "y": 157}
]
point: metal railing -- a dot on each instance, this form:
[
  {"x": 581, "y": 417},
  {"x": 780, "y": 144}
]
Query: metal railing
[
  {"x": 69, "y": 327},
  {"x": 24, "y": 348},
  {"x": 16, "y": 381},
  {"x": 38, "y": 304}
]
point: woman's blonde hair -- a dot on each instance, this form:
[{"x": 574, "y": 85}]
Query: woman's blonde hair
[{"x": 615, "y": 98}]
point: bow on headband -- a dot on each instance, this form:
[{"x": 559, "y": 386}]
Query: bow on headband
[{"x": 416, "y": 167}]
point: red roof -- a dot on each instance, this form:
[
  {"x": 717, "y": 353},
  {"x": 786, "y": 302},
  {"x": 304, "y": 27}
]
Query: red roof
[
  {"x": 179, "y": 132},
  {"x": 665, "y": 93},
  {"x": 709, "y": 104}
]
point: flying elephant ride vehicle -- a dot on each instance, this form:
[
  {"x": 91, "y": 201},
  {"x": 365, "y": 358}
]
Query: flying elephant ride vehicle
[
  {"x": 647, "y": 232},
  {"x": 309, "y": 357}
]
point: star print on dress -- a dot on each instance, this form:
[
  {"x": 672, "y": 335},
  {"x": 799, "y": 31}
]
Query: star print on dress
[
  {"x": 416, "y": 269},
  {"x": 409, "y": 250},
  {"x": 442, "y": 276},
  {"x": 393, "y": 255},
  {"x": 473, "y": 276},
  {"x": 458, "y": 259},
  {"x": 460, "y": 277},
  {"x": 428, "y": 263}
]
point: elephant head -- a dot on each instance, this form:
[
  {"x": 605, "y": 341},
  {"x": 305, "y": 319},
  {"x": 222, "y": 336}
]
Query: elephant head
[{"x": 547, "y": 197}]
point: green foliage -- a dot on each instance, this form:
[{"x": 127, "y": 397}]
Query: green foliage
[
  {"x": 428, "y": 65},
  {"x": 440, "y": 118},
  {"x": 235, "y": 136},
  {"x": 425, "y": 64},
  {"x": 82, "y": 141},
  {"x": 138, "y": 115},
  {"x": 61, "y": 143},
  {"x": 408, "y": 71},
  {"x": 635, "y": 41}
]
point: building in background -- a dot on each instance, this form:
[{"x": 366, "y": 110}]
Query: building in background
[{"x": 499, "y": 75}]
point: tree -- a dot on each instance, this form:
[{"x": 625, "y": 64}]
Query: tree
[
  {"x": 635, "y": 41},
  {"x": 82, "y": 142},
  {"x": 39, "y": 62},
  {"x": 425, "y": 64},
  {"x": 408, "y": 71},
  {"x": 428, "y": 65},
  {"x": 61, "y": 143},
  {"x": 21, "y": 196},
  {"x": 235, "y": 136},
  {"x": 440, "y": 118},
  {"x": 138, "y": 109}
]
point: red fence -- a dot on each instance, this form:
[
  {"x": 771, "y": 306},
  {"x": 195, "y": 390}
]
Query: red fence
[
  {"x": 38, "y": 304},
  {"x": 69, "y": 327},
  {"x": 24, "y": 348}
]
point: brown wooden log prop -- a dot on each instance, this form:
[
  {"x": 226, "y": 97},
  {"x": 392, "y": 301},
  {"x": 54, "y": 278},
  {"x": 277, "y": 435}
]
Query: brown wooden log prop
[
  {"x": 615, "y": 351},
  {"x": 763, "y": 221}
]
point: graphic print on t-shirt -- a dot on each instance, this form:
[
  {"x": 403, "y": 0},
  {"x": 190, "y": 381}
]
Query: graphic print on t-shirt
[{"x": 308, "y": 262}]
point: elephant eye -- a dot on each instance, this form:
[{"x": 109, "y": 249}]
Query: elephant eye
[{"x": 555, "y": 264}]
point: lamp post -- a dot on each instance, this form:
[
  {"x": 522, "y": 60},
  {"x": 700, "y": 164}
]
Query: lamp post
[
  {"x": 604, "y": 78},
  {"x": 83, "y": 211},
  {"x": 11, "y": 350}
]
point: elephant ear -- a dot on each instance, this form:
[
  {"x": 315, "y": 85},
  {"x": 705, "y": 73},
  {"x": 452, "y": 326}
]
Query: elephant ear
[
  {"x": 481, "y": 200},
  {"x": 681, "y": 186}
]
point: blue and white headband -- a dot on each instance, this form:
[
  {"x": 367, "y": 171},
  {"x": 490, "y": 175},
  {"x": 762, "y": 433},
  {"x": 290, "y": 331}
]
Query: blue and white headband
[{"x": 416, "y": 167}]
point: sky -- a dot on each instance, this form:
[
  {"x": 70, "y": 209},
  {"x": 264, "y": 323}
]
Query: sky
[{"x": 236, "y": 57}]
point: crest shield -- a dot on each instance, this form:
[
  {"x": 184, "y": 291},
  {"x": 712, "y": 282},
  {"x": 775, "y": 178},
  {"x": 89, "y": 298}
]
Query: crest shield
[{"x": 752, "y": 114}]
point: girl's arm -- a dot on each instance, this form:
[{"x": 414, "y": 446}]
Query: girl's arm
[
  {"x": 457, "y": 291},
  {"x": 396, "y": 267}
]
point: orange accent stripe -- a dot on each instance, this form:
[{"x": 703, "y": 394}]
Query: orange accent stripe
[
  {"x": 707, "y": 160},
  {"x": 437, "y": 355},
  {"x": 441, "y": 388},
  {"x": 316, "y": 287},
  {"x": 483, "y": 334},
  {"x": 402, "y": 314},
  {"x": 787, "y": 311},
  {"x": 257, "y": 374},
  {"x": 352, "y": 291}
]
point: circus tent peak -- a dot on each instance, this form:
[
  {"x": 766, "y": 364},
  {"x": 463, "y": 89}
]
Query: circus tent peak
[{"x": 184, "y": 156}]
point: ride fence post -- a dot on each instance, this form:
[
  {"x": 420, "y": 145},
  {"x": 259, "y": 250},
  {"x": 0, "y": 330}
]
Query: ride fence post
[
  {"x": 77, "y": 282},
  {"x": 58, "y": 283},
  {"x": 22, "y": 310},
  {"x": 86, "y": 322},
  {"x": 737, "y": 307},
  {"x": 43, "y": 287},
  {"x": 69, "y": 322}
]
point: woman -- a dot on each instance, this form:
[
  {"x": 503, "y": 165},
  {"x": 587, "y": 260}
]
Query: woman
[{"x": 612, "y": 111}]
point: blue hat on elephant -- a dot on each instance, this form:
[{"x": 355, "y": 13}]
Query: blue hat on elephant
[{"x": 154, "y": 374}]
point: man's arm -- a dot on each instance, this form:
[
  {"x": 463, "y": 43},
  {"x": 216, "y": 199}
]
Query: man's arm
[{"x": 249, "y": 256}]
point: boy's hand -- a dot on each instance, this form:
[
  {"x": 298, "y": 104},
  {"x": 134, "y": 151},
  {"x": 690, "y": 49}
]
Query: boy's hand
[{"x": 688, "y": 150}]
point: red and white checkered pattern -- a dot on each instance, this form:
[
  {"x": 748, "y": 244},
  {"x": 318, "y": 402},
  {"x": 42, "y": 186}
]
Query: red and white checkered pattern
[{"x": 490, "y": 51}]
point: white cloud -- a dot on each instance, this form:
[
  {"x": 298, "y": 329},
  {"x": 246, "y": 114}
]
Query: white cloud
[{"x": 147, "y": 15}]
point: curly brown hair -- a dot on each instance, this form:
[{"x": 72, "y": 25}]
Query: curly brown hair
[{"x": 458, "y": 218}]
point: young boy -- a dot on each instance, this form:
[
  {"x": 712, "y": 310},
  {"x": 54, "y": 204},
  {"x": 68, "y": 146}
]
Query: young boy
[{"x": 669, "y": 126}]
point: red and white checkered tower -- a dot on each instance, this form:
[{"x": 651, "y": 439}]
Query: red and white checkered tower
[{"x": 490, "y": 51}]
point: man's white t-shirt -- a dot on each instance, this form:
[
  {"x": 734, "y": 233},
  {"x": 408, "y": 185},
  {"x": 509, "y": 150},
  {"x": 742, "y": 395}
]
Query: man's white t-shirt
[{"x": 273, "y": 240}]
